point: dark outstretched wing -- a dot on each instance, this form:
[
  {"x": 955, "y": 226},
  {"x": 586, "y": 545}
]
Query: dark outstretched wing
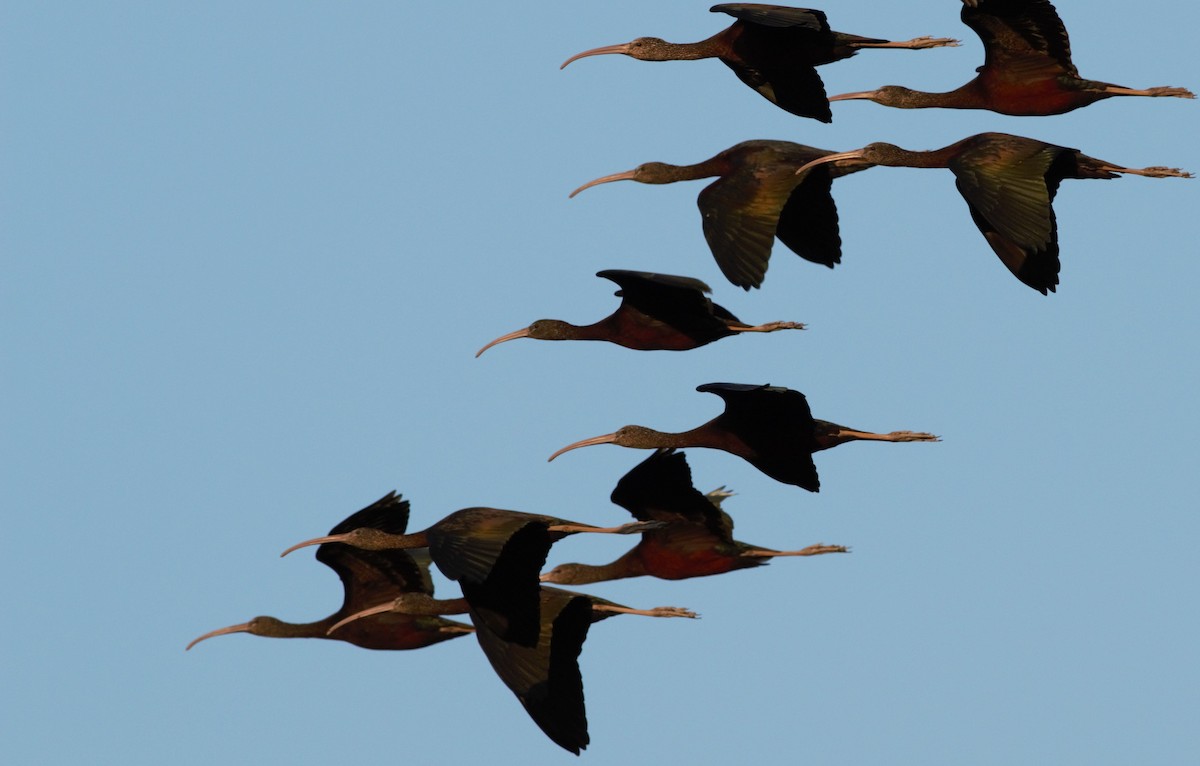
[
  {"x": 740, "y": 213},
  {"x": 545, "y": 677},
  {"x": 774, "y": 51},
  {"x": 496, "y": 557},
  {"x": 777, "y": 426},
  {"x": 775, "y": 16},
  {"x": 660, "y": 489},
  {"x": 373, "y": 577},
  {"x": 1004, "y": 181},
  {"x": 1025, "y": 39},
  {"x": 808, "y": 223},
  {"x": 678, "y": 302}
]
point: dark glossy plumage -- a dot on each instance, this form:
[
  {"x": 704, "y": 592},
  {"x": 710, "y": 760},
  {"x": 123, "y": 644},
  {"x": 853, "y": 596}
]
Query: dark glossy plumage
[
  {"x": 495, "y": 556},
  {"x": 768, "y": 426},
  {"x": 773, "y": 49},
  {"x": 368, "y": 578},
  {"x": 1009, "y": 183},
  {"x": 1027, "y": 68},
  {"x": 696, "y": 539},
  {"x": 757, "y": 197},
  {"x": 544, "y": 675},
  {"x": 658, "y": 312}
]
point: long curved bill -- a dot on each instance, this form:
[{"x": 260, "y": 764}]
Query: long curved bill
[
  {"x": 626, "y": 176},
  {"x": 839, "y": 157},
  {"x": 359, "y": 615},
  {"x": 239, "y": 628},
  {"x": 315, "y": 541},
  {"x": 622, "y": 48},
  {"x": 511, "y": 336},
  {"x": 867, "y": 94},
  {"x": 605, "y": 439}
]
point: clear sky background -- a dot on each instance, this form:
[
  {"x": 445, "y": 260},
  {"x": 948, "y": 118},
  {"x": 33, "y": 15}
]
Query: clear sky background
[{"x": 251, "y": 248}]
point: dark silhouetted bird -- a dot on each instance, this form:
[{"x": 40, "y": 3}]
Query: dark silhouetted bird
[
  {"x": 769, "y": 426},
  {"x": 697, "y": 536},
  {"x": 773, "y": 49},
  {"x": 658, "y": 312}
]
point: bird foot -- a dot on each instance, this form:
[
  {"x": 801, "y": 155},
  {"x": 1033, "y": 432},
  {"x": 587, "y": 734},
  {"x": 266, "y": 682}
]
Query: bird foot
[
  {"x": 918, "y": 43},
  {"x": 672, "y": 611},
  {"x": 913, "y": 436},
  {"x": 773, "y": 326},
  {"x": 1169, "y": 91},
  {"x": 719, "y": 494},
  {"x": 1159, "y": 171}
]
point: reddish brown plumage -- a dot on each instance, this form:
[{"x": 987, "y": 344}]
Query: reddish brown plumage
[
  {"x": 1027, "y": 68},
  {"x": 658, "y": 312},
  {"x": 773, "y": 49}
]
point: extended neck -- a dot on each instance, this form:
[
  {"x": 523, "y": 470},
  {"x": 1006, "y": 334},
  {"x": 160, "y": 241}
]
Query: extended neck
[
  {"x": 712, "y": 47},
  {"x": 629, "y": 565},
  {"x": 968, "y": 96}
]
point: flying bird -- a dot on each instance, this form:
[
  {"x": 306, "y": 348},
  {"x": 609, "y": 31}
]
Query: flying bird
[
  {"x": 1027, "y": 67},
  {"x": 368, "y": 578},
  {"x": 657, "y": 312},
  {"x": 757, "y": 197},
  {"x": 770, "y": 427},
  {"x": 696, "y": 539},
  {"x": 1009, "y": 183},
  {"x": 773, "y": 49},
  {"x": 495, "y": 556},
  {"x": 545, "y": 677}
]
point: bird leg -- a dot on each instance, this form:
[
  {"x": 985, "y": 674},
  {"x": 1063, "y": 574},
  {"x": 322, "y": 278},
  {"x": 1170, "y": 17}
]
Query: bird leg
[
  {"x": 658, "y": 611},
  {"x": 1156, "y": 171},
  {"x": 1162, "y": 90},
  {"x": 846, "y": 434},
  {"x": 768, "y": 327},
  {"x": 917, "y": 43},
  {"x": 632, "y": 528},
  {"x": 812, "y": 550}
]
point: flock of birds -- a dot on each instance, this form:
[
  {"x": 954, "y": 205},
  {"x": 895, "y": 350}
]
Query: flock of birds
[{"x": 533, "y": 633}]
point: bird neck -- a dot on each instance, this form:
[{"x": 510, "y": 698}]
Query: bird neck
[
  {"x": 713, "y": 47},
  {"x": 933, "y": 158},
  {"x": 274, "y": 628},
  {"x": 968, "y": 96},
  {"x": 375, "y": 540},
  {"x": 629, "y": 565}
]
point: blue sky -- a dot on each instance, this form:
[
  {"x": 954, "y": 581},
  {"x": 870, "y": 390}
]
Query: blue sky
[{"x": 251, "y": 249}]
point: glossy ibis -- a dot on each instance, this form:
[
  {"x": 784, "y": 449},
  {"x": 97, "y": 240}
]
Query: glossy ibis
[
  {"x": 697, "y": 538},
  {"x": 1027, "y": 68},
  {"x": 757, "y": 196},
  {"x": 769, "y": 426},
  {"x": 657, "y": 312},
  {"x": 495, "y": 555},
  {"x": 368, "y": 578},
  {"x": 545, "y": 677},
  {"x": 1009, "y": 183},
  {"x": 773, "y": 49}
]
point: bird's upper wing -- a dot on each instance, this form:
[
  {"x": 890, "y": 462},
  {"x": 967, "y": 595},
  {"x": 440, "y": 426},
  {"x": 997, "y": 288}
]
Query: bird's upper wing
[
  {"x": 678, "y": 301},
  {"x": 545, "y": 677},
  {"x": 740, "y": 213},
  {"x": 777, "y": 424},
  {"x": 371, "y": 577},
  {"x": 1023, "y": 38},
  {"x": 660, "y": 489},
  {"x": 808, "y": 223},
  {"x": 771, "y": 53},
  {"x": 777, "y": 16},
  {"x": 1004, "y": 181}
]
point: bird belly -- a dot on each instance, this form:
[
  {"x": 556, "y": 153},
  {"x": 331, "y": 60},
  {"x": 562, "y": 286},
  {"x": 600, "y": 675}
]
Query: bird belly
[
  {"x": 1035, "y": 98},
  {"x": 668, "y": 564}
]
